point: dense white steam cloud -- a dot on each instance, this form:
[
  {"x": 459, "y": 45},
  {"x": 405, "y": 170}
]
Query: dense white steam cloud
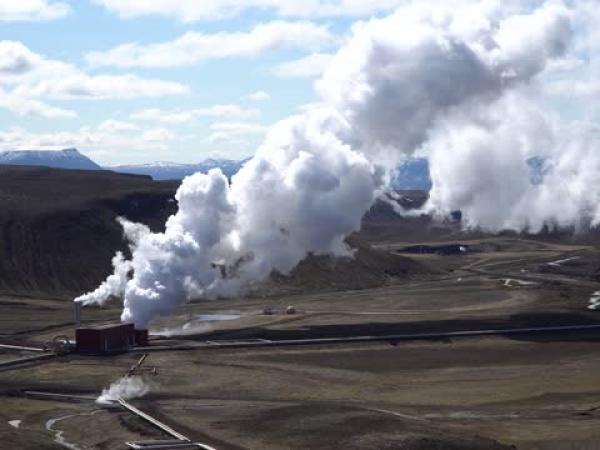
[
  {"x": 481, "y": 168},
  {"x": 455, "y": 80},
  {"x": 126, "y": 388},
  {"x": 114, "y": 285}
]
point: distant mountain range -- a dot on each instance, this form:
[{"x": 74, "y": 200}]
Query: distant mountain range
[
  {"x": 175, "y": 171},
  {"x": 69, "y": 158},
  {"x": 412, "y": 173}
]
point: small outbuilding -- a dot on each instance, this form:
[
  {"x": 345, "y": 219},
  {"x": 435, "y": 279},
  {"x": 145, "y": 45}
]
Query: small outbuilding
[
  {"x": 141, "y": 337},
  {"x": 108, "y": 338}
]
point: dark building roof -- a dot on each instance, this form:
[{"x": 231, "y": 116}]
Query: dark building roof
[
  {"x": 108, "y": 338},
  {"x": 103, "y": 326}
]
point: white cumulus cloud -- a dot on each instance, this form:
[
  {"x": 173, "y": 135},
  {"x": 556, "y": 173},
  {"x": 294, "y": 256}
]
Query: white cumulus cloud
[
  {"x": 258, "y": 96},
  {"x": 32, "y": 10},
  {"x": 195, "y": 10},
  {"x": 158, "y": 135},
  {"x": 23, "y": 106},
  {"x": 183, "y": 116},
  {"x": 309, "y": 66},
  {"x": 234, "y": 131},
  {"x": 28, "y": 80},
  {"x": 193, "y": 46},
  {"x": 78, "y": 85},
  {"x": 99, "y": 141}
]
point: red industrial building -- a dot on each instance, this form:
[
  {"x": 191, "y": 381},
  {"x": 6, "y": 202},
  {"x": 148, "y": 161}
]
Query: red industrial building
[{"x": 109, "y": 338}]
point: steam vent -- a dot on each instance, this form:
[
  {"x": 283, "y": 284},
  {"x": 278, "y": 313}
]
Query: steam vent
[{"x": 106, "y": 338}]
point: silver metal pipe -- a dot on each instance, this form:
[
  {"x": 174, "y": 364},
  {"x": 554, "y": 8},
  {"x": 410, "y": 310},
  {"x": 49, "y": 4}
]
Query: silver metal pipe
[
  {"x": 77, "y": 313},
  {"x": 153, "y": 421}
]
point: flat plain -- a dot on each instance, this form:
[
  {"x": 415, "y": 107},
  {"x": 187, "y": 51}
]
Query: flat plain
[{"x": 528, "y": 391}]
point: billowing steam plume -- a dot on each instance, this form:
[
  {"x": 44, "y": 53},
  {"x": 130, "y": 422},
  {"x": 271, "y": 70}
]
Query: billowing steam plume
[
  {"x": 126, "y": 388},
  {"x": 457, "y": 81}
]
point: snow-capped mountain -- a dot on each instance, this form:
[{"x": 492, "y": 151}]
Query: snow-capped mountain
[
  {"x": 412, "y": 173},
  {"x": 176, "y": 171},
  {"x": 69, "y": 158}
]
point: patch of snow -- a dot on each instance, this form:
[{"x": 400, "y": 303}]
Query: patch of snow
[
  {"x": 513, "y": 281},
  {"x": 595, "y": 301},
  {"x": 560, "y": 262},
  {"x": 67, "y": 159}
]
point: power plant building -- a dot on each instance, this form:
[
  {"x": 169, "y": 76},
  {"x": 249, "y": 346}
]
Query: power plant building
[{"x": 108, "y": 338}]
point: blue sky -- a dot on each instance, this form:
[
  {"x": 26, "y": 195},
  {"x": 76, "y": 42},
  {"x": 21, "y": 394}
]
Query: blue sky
[
  {"x": 135, "y": 81},
  {"x": 195, "y": 106}
]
